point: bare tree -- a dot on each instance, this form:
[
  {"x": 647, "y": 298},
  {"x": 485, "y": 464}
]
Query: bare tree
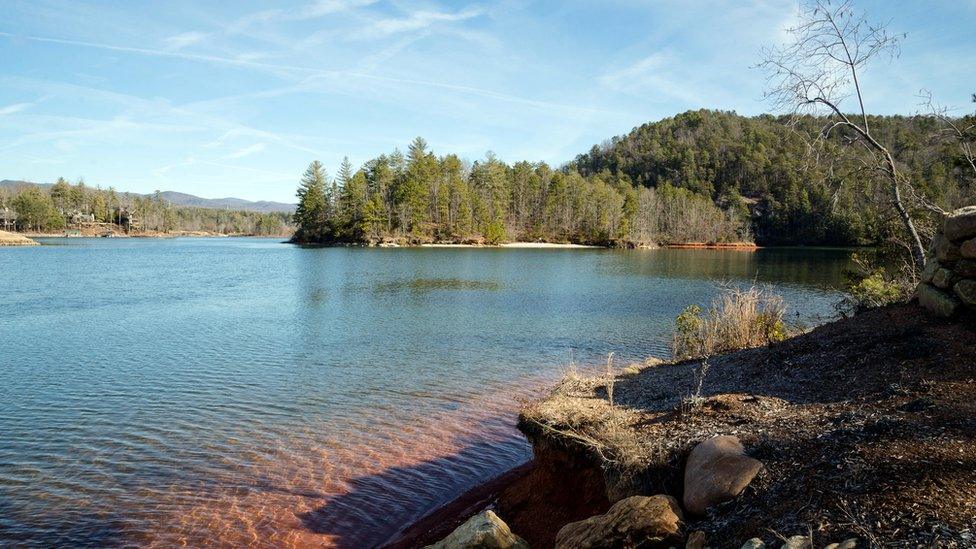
[{"x": 819, "y": 69}]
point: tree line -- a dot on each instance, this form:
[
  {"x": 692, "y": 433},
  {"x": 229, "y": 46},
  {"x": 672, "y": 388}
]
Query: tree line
[
  {"x": 62, "y": 205},
  {"x": 420, "y": 197},
  {"x": 700, "y": 176}
]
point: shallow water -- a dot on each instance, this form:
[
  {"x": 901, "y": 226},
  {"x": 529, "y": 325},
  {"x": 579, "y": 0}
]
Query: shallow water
[{"x": 243, "y": 391}]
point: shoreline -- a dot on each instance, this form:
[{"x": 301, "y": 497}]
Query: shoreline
[
  {"x": 749, "y": 396},
  {"x": 440, "y": 522}
]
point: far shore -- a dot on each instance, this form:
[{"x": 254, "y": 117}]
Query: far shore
[{"x": 511, "y": 245}]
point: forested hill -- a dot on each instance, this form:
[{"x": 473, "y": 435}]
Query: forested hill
[
  {"x": 701, "y": 176},
  {"x": 793, "y": 199}
]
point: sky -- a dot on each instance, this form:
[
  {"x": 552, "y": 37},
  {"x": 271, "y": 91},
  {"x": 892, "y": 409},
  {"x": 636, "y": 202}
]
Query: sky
[{"x": 224, "y": 99}]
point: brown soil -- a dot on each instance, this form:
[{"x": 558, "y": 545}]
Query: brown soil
[
  {"x": 865, "y": 427},
  {"x": 743, "y": 246}
]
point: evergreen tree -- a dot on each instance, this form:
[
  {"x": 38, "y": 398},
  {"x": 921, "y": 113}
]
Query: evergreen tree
[{"x": 310, "y": 215}]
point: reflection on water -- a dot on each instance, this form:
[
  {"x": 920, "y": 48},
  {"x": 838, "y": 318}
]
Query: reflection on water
[{"x": 205, "y": 391}]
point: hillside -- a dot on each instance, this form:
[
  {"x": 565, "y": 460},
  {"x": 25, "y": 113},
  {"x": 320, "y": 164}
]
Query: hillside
[
  {"x": 793, "y": 200},
  {"x": 189, "y": 200}
]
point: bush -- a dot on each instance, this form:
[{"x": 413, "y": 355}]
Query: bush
[
  {"x": 737, "y": 319},
  {"x": 870, "y": 285}
]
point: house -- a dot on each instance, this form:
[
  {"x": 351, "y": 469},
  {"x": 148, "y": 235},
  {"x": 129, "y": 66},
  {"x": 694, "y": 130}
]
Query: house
[{"x": 8, "y": 219}]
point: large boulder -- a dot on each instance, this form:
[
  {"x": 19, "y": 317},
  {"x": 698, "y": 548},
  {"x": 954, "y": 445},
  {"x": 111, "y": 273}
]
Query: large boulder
[
  {"x": 717, "y": 470},
  {"x": 943, "y": 278},
  {"x": 482, "y": 531},
  {"x": 937, "y": 301},
  {"x": 960, "y": 223},
  {"x": 637, "y": 521},
  {"x": 968, "y": 248},
  {"x": 966, "y": 290},
  {"x": 931, "y": 267},
  {"x": 966, "y": 268},
  {"x": 944, "y": 250}
]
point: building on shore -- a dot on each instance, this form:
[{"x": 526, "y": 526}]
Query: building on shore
[{"x": 8, "y": 220}]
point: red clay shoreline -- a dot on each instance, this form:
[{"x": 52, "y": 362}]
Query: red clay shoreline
[{"x": 440, "y": 522}]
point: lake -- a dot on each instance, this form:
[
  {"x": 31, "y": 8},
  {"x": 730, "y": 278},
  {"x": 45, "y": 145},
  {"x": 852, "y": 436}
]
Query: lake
[{"x": 244, "y": 391}]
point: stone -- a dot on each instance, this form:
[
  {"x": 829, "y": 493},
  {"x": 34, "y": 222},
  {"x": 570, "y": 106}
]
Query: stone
[
  {"x": 846, "y": 544},
  {"x": 696, "y": 540},
  {"x": 936, "y": 301},
  {"x": 965, "y": 268},
  {"x": 929, "y": 271},
  {"x": 797, "y": 542},
  {"x": 945, "y": 251},
  {"x": 482, "y": 531},
  {"x": 968, "y": 248},
  {"x": 717, "y": 470},
  {"x": 966, "y": 290},
  {"x": 637, "y": 521},
  {"x": 960, "y": 223},
  {"x": 943, "y": 278},
  {"x": 754, "y": 543}
]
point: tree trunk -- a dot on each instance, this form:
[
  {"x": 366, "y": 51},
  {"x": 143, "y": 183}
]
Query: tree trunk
[{"x": 915, "y": 241}]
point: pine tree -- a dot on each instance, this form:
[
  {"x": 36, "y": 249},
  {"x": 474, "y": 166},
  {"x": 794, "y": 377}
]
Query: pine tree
[{"x": 310, "y": 216}]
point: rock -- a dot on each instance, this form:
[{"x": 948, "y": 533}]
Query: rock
[
  {"x": 945, "y": 251},
  {"x": 717, "y": 470},
  {"x": 754, "y": 543},
  {"x": 936, "y": 301},
  {"x": 931, "y": 267},
  {"x": 637, "y": 521},
  {"x": 797, "y": 542},
  {"x": 943, "y": 278},
  {"x": 966, "y": 290},
  {"x": 482, "y": 531},
  {"x": 696, "y": 540},
  {"x": 960, "y": 223},
  {"x": 965, "y": 268},
  {"x": 968, "y": 248},
  {"x": 846, "y": 544}
]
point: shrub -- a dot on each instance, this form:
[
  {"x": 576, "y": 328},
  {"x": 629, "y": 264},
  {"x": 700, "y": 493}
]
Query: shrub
[
  {"x": 870, "y": 285},
  {"x": 738, "y": 319}
]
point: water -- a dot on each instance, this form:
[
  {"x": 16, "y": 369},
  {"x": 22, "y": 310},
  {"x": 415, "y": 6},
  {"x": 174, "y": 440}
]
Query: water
[{"x": 243, "y": 391}]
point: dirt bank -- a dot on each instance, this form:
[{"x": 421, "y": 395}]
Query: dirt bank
[
  {"x": 14, "y": 239},
  {"x": 866, "y": 428}
]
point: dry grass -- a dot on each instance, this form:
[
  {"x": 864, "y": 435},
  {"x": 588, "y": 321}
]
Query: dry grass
[
  {"x": 575, "y": 410},
  {"x": 14, "y": 239},
  {"x": 738, "y": 319}
]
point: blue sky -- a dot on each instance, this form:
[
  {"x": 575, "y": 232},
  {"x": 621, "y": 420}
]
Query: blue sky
[{"x": 235, "y": 98}]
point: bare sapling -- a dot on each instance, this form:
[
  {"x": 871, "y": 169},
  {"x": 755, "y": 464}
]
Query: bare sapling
[{"x": 818, "y": 69}]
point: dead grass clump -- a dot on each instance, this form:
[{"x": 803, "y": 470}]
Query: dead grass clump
[
  {"x": 574, "y": 412},
  {"x": 738, "y": 319}
]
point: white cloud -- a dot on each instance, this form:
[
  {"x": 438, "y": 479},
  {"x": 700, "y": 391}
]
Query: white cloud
[
  {"x": 246, "y": 151},
  {"x": 659, "y": 73},
  {"x": 314, "y": 10},
  {"x": 15, "y": 108},
  {"x": 179, "y": 41},
  {"x": 417, "y": 20}
]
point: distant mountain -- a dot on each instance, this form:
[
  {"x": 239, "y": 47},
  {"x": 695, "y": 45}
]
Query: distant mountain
[{"x": 183, "y": 199}]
